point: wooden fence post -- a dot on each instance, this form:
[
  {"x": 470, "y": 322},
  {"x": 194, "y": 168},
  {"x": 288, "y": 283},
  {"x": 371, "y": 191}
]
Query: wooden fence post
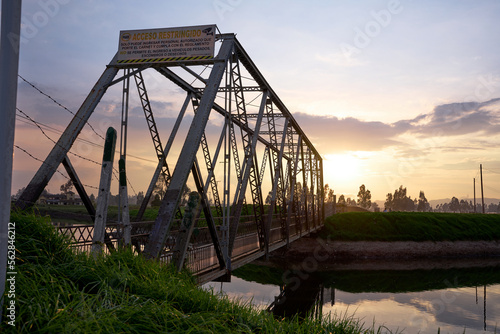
[{"x": 102, "y": 199}]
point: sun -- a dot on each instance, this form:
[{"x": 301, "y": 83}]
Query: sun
[{"x": 341, "y": 169}]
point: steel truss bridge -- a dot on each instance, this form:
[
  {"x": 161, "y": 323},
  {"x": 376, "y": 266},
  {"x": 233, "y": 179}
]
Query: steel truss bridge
[{"x": 261, "y": 153}]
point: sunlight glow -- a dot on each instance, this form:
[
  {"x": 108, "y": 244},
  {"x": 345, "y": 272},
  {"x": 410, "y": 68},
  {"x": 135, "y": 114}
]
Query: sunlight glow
[{"x": 345, "y": 167}]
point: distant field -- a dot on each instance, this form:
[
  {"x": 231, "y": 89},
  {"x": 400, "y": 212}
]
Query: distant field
[{"x": 411, "y": 226}]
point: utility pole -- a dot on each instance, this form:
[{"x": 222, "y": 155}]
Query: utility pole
[
  {"x": 9, "y": 65},
  {"x": 474, "y": 185},
  {"x": 482, "y": 193}
]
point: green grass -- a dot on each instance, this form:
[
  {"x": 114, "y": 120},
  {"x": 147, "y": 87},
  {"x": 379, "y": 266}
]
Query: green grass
[
  {"x": 411, "y": 226},
  {"x": 58, "y": 291}
]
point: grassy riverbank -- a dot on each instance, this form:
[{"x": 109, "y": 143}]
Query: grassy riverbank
[
  {"x": 58, "y": 291},
  {"x": 411, "y": 226}
]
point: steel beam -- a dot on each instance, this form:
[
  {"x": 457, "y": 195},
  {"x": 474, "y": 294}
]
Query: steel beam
[
  {"x": 79, "y": 187},
  {"x": 63, "y": 145},
  {"x": 162, "y": 161},
  {"x": 173, "y": 194},
  {"x": 291, "y": 206},
  {"x": 208, "y": 214},
  {"x": 277, "y": 177},
  {"x": 167, "y": 73}
]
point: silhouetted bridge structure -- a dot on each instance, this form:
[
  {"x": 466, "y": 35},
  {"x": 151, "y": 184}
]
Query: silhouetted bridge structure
[{"x": 260, "y": 152}]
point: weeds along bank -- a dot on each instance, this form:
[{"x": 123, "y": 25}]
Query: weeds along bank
[{"x": 58, "y": 291}]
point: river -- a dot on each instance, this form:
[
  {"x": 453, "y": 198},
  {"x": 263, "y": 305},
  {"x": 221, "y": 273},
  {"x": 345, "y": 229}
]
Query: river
[{"x": 451, "y": 295}]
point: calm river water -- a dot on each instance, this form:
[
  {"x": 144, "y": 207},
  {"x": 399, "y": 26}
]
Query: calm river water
[{"x": 413, "y": 300}]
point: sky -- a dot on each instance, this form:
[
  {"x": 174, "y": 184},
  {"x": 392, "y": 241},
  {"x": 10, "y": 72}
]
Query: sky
[{"x": 390, "y": 92}]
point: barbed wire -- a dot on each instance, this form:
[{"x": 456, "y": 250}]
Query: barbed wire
[
  {"x": 57, "y": 170},
  {"x": 59, "y": 104},
  {"x": 48, "y": 128},
  {"x": 115, "y": 171},
  {"x": 53, "y": 141}
]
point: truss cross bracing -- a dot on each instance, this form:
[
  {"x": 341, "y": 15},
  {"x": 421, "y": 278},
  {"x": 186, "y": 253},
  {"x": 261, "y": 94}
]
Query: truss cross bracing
[{"x": 271, "y": 172}]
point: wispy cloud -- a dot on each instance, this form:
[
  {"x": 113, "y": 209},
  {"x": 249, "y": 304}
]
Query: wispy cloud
[{"x": 335, "y": 134}]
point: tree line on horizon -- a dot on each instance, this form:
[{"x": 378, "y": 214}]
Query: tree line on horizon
[{"x": 401, "y": 201}]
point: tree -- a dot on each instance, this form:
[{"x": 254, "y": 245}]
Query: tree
[
  {"x": 350, "y": 201},
  {"x": 389, "y": 202},
  {"x": 92, "y": 199},
  {"x": 160, "y": 187},
  {"x": 326, "y": 189},
  {"x": 364, "y": 197},
  {"x": 341, "y": 200},
  {"x": 156, "y": 201},
  {"x": 66, "y": 187},
  {"x": 18, "y": 194},
  {"x": 140, "y": 197},
  {"x": 454, "y": 204},
  {"x": 401, "y": 201},
  {"x": 422, "y": 205},
  {"x": 375, "y": 207},
  {"x": 331, "y": 196}
]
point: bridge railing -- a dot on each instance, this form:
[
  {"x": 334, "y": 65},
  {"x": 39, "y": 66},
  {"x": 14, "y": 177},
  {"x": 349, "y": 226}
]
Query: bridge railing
[{"x": 201, "y": 254}]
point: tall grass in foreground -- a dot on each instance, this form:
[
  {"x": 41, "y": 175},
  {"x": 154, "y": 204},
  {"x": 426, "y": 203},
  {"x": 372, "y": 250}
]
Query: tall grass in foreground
[
  {"x": 411, "y": 226},
  {"x": 62, "y": 292}
]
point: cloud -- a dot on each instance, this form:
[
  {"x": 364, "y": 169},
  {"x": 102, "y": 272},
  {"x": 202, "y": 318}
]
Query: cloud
[
  {"x": 332, "y": 134},
  {"x": 455, "y": 119}
]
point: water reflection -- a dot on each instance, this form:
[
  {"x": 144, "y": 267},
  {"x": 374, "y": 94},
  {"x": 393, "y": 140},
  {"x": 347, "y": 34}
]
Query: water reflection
[{"x": 413, "y": 300}]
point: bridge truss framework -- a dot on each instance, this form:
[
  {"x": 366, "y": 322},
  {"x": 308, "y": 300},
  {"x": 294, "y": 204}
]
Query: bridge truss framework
[{"x": 260, "y": 145}]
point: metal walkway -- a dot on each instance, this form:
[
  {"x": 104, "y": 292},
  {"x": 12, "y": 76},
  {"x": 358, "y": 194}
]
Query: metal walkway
[{"x": 260, "y": 181}]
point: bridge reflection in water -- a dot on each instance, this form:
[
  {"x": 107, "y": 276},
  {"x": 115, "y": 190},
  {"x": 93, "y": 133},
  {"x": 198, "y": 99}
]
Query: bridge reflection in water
[{"x": 466, "y": 295}]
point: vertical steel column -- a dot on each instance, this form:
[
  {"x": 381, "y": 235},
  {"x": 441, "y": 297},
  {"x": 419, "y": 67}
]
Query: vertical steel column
[
  {"x": 305, "y": 189},
  {"x": 255, "y": 184},
  {"x": 186, "y": 229},
  {"x": 61, "y": 148},
  {"x": 241, "y": 189},
  {"x": 311, "y": 170},
  {"x": 173, "y": 194},
  {"x": 277, "y": 176},
  {"x": 126, "y": 227},
  {"x": 226, "y": 214},
  {"x": 123, "y": 199},
  {"x": 9, "y": 65},
  {"x": 321, "y": 190},
  {"x": 291, "y": 207}
]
